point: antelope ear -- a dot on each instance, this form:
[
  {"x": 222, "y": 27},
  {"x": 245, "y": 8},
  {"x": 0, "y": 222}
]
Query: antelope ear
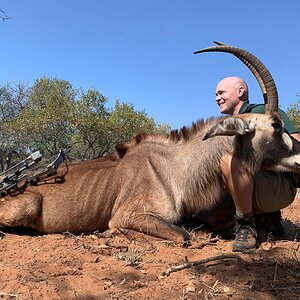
[{"x": 230, "y": 126}]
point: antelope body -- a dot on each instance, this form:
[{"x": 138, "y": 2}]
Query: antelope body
[{"x": 154, "y": 182}]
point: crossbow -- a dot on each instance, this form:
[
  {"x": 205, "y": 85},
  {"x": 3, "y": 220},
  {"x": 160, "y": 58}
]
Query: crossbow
[{"x": 10, "y": 179}]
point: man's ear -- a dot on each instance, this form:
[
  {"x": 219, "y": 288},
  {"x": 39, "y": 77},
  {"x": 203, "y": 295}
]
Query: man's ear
[{"x": 241, "y": 90}]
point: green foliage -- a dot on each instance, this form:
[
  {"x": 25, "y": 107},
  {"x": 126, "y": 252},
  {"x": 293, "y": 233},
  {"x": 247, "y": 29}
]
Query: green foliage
[
  {"x": 53, "y": 115},
  {"x": 90, "y": 123},
  {"x": 99, "y": 129},
  {"x": 124, "y": 122},
  {"x": 293, "y": 113},
  {"x": 46, "y": 121},
  {"x": 12, "y": 101}
]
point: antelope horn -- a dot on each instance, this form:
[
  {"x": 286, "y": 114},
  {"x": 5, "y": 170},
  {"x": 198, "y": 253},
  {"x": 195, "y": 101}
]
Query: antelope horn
[
  {"x": 261, "y": 73},
  {"x": 253, "y": 70}
]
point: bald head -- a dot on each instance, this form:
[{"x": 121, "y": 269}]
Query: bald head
[
  {"x": 231, "y": 92},
  {"x": 236, "y": 82}
]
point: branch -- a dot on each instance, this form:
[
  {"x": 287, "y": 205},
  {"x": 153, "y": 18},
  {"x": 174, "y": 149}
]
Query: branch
[
  {"x": 9, "y": 295},
  {"x": 3, "y": 15},
  {"x": 2, "y": 235},
  {"x": 190, "y": 264}
]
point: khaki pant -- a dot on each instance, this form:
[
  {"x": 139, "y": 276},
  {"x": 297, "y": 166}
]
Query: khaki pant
[{"x": 272, "y": 191}]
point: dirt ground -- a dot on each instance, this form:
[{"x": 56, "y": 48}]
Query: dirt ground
[{"x": 136, "y": 266}]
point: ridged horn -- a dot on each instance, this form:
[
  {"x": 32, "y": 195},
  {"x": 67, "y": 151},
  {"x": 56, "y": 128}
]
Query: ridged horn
[{"x": 259, "y": 70}]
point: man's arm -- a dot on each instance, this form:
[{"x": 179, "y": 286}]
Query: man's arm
[
  {"x": 294, "y": 176},
  {"x": 296, "y": 136}
]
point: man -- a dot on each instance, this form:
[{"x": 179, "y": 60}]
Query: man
[{"x": 268, "y": 191}]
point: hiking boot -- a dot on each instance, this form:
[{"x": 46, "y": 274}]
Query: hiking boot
[
  {"x": 245, "y": 235},
  {"x": 268, "y": 225}
]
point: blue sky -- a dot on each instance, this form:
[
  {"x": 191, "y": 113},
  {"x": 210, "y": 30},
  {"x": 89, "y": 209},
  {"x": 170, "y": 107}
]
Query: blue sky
[{"x": 141, "y": 51}]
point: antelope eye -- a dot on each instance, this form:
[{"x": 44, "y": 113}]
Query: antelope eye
[{"x": 277, "y": 126}]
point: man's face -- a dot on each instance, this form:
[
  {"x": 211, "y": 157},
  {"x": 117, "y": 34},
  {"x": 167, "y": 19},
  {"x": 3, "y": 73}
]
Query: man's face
[{"x": 227, "y": 97}]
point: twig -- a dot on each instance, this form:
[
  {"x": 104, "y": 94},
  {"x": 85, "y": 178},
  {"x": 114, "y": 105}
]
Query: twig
[
  {"x": 69, "y": 234},
  {"x": 210, "y": 241},
  {"x": 2, "y": 235},
  {"x": 9, "y": 295},
  {"x": 294, "y": 249},
  {"x": 122, "y": 247},
  {"x": 145, "y": 261},
  {"x": 283, "y": 288},
  {"x": 191, "y": 264},
  {"x": 213, "y": 291},
  {"x": 3, "y": 15},
  {"x": 275, "y": 272}
]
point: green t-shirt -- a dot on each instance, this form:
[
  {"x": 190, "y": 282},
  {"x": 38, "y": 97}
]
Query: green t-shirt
[{"x": 260, "y": 109}]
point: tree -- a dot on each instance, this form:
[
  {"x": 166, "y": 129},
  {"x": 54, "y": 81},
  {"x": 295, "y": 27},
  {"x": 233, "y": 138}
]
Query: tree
[
  {"x": 47, "y": 120},
  {"x": 53, "y": 115},
  {"x": 12, "y": 102},
  {"x": 3, "y": 15},
  {"x": 293, "y": 113},
  {"x": 124, "y": 122},
  {"x": 90, "y": 122},
  {"x": 99, "y": 129}
]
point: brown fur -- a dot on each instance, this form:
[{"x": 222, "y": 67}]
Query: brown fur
[{"x": 150, "y": 184}]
